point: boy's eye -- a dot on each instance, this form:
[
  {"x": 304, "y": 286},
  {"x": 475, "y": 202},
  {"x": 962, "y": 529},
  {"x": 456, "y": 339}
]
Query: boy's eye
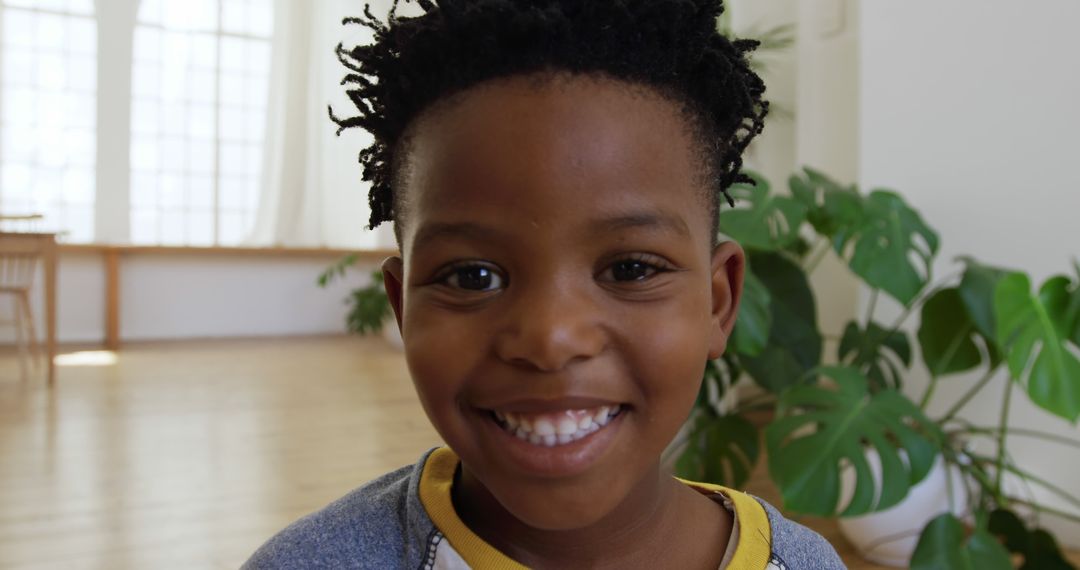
[
  {"x": 473, "y": 278},
  {"x": 632, "y": 270}
]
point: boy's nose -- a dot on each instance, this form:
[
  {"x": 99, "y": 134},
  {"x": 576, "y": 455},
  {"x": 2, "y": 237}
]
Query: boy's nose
[{"x": 549, "y": 330}]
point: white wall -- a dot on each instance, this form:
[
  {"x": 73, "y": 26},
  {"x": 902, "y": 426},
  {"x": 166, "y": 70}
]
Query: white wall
[
  {"x": 179, "y": 297},
  {"x": 971, "y": 108}
]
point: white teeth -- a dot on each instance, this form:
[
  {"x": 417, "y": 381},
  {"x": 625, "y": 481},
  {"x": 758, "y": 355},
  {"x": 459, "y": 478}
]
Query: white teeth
[
  {"x": 556, "y": 428},
  {"x": 544, "y": 427},
  {"x": 567, "y": 426}
]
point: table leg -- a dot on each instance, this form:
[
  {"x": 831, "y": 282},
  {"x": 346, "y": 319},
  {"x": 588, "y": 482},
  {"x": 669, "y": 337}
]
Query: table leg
[
  {"x": 112, "y": 300},
  {"x": 50, "y": 308}
]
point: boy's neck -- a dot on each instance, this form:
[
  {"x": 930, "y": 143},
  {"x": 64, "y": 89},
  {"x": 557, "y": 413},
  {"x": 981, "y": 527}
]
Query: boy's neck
[{"x": 662, "y": 523}]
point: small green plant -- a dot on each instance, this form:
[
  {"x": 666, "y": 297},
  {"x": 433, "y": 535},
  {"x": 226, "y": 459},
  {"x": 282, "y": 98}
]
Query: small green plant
[
  {"x": 827, "y": 417},
  {"x": 368, "y": 305}
]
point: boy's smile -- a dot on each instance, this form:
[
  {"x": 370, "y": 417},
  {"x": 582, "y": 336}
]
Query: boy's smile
[{"x": 558, "y": 294}]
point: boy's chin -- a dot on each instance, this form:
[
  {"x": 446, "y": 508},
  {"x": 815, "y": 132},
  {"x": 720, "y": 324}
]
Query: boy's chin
[
  {"x": 557, "y": 510},
  {"x": 553, "y": 516}
]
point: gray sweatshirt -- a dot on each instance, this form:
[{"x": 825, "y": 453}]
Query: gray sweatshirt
[{"x": 405, "y": 519}]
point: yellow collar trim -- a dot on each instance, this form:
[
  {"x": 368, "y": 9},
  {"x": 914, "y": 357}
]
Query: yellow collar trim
[
  {"x": 435, "y": 483},
  {"x": 755, "y": 536},
  {"x": 751, "y": 553}
]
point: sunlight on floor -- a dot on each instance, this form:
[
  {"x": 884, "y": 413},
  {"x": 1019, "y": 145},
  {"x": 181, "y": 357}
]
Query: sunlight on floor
[{"x": 87, "y": 358}]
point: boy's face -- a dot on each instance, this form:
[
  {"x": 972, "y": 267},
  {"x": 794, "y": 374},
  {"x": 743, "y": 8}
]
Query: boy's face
[{"x": 558, "y": 296}]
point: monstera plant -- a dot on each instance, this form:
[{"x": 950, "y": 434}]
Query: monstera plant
[{"x": 827, "y": 418}]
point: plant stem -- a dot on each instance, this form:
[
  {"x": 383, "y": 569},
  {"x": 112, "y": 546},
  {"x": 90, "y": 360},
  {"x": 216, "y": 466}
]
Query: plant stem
[
  {"x": 1044, "y": 484},
  {"x": 993, "y": 431},
  {"x": 1004, "y": 422},
  {"x": 976, "y": 471},
  {"x": 753, "y": 403},
  {"x": 925, "y": 293},
  {"x": 872, "y": 304},
  {"x": 1044, "y": 509},
  {"x": 928, "y": 393},
  {"x": 970, "y": 394},
  {"x": 1034, "y": 479},
  {"x": 822, "y": 247}
]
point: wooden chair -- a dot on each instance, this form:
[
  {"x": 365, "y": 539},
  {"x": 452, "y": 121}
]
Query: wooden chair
[{"x": 20, "y": 257}]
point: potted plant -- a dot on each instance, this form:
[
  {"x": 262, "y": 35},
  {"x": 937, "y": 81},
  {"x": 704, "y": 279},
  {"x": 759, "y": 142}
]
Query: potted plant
[
  {"x": 850, "y": 419},
  {"x": 369, "y": 308}
]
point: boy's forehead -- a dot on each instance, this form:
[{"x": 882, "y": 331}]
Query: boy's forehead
[{"x": 599, "y": 152}]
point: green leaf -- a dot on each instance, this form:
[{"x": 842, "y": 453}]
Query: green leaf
[
  {"x": 768, "y": 223},
  {"x": 869, "y": 346},
  {"x": 1038, "y": 547},
  {"x": 1005, "y": 524},
  {"x": 1033, "y": 329},
  {"x": 947, "y": 335},
  {"x": 751, "y": 332},
  {"x": 368, "y": 307},
  {"x": 943, "y": 545},
  {"x": 977, "y": 291},
  {"x": 890, "y": 235},
  {"x": 794, "y": 346},
  {"x": 721, "y": 374},
  {"x": 831, "y": 209},
  {"x": 337, "y": 269},
  {"x": 818, "y": 430},
  {"x": 1044, "y": 553},
  {"x": 1072, "y": 312},
  {"x": 721, "y": 450}
]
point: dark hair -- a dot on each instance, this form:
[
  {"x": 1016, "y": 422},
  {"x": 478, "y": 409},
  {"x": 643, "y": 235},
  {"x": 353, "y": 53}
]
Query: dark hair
[{"x": 672, "y": 46}]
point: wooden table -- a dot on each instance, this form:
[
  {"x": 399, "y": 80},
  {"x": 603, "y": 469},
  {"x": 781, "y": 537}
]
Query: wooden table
[{"x": 43, "y": 243}]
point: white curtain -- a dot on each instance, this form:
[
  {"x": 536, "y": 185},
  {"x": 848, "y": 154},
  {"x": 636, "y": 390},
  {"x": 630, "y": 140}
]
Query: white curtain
[{"x": 312, "y": 194}]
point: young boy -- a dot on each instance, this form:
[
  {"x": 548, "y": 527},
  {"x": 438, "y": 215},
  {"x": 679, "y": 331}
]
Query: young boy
[{"x": 554, "y": 170}]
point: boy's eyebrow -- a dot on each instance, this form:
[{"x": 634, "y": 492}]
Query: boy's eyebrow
[
  {"x": 643, "y": 219},
  {"x": 440, "y": 230}
]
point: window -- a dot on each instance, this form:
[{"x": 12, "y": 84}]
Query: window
[
  {"x": 199, "y": 96},
  {"x": 48, "y": 110}
]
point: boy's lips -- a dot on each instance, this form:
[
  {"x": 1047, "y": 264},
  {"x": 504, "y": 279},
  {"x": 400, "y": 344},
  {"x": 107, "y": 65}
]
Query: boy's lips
[{"x": 553, "y": 438}]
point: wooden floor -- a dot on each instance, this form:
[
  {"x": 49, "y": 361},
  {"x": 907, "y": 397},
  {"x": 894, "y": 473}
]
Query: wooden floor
[{"x": 190, "y": 455}]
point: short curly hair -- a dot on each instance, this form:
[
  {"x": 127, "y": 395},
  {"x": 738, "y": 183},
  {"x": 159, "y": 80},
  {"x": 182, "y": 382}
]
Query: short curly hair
[{"x": 672, "y": 46}]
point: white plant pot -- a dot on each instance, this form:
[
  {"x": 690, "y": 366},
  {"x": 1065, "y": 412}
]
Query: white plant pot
[
  {"x": 391, "y": 333},
  {"x": 889, "y": 537}
]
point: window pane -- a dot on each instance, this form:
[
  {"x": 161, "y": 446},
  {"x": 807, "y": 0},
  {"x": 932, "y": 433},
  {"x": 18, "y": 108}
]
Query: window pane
[
  {"x": 81, "y": 36},
  {"x": 50, "y": 32},
  {"x": 82, "y": 73},
  {"x": 48, "y": 112},
  {"x": 201, "y": 95},
  {"x": 19, "y": 67},
  {"x": 190, "y": 15},
  {"x": 144, "y": 155},
  {"x": 201, "y": 157},
  {"x": 172, "y": 227},
  {"x": 20, "y": 107},
  {"x": 19, "y": 28},
  {"x": 261, "y": 18}
]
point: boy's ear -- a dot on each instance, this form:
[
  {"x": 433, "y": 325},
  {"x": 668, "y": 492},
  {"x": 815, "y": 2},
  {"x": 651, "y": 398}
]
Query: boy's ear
[
  {"x": 728, "y": 268},
  {"x": 393, "y": 270}
]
